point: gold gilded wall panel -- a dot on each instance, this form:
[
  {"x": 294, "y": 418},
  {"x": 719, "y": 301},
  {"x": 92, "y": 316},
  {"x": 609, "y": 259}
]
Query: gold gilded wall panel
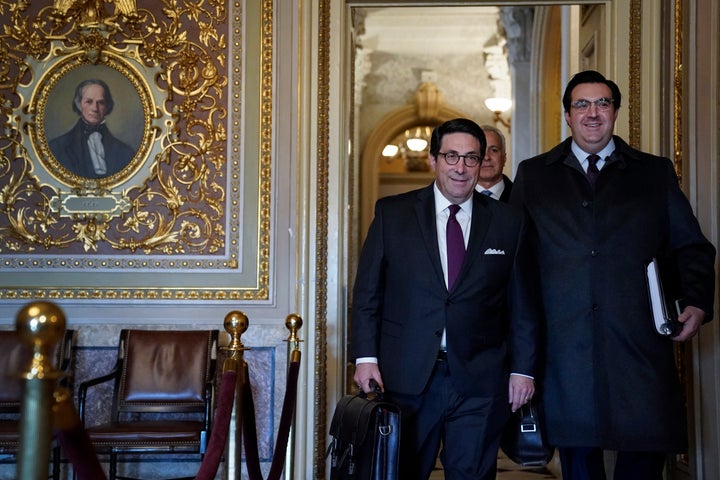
[{"x": 179, "y": 190}]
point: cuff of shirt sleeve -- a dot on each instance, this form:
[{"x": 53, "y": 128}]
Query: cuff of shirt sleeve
[{"x": 360, "y": 360}]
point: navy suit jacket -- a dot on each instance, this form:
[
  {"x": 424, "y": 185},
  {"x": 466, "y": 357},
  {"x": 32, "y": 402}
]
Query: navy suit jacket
[
  {"x": 401, "y": 303},
  {"x": 505, "y": 195}
]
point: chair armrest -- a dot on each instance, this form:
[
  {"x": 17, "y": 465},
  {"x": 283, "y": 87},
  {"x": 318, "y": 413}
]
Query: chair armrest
[
  {"x": 209, "y": 401},
  {"x": 84, "y": 386}
]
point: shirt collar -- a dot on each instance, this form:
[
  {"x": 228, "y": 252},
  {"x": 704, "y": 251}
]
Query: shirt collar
[
  {"x": 582, "y": 155},
  {"x": 496, "y": 189},
  {"x": 442, "y": 203}
]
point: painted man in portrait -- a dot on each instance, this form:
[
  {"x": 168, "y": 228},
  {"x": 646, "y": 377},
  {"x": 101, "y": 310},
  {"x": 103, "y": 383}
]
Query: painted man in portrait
[{"x": 89, "y": 149}]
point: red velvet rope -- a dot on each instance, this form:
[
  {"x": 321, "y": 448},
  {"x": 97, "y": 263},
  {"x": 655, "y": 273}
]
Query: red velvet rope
[
  {"x": 77, "y": 447},
  {"x": 74, "y": 440},
  {"x": 252, "y": 459},
  {"x": 288, "y": 411},
  {"x": 221, "y": 426}
]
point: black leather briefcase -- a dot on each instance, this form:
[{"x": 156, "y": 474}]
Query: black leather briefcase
[
  {"x": 523, "y": 439},
  {"x": 365, "y": 443}
]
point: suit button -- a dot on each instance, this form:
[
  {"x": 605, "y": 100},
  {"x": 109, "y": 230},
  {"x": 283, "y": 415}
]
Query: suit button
[
  {"x": 585, "y": 203},
  {"x": 438, "y": 334},
  {"x": 594, "y": 253},
  {"x": 595, "y": 307}
]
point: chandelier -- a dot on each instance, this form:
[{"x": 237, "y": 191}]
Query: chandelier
[{"x": 411, "y": 148}]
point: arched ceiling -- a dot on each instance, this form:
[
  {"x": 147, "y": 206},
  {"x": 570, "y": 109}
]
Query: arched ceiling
[
  {"x": 460, "y": 49},
  {"x": 429, "y": 30}
]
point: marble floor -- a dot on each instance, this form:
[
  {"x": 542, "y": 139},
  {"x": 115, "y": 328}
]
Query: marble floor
[{"x": 508, "y": 470}]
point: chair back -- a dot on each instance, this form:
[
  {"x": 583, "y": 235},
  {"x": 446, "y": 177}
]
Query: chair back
[
  {"x": 165, "y": 371},
  {"x": 15, "y": 357}
]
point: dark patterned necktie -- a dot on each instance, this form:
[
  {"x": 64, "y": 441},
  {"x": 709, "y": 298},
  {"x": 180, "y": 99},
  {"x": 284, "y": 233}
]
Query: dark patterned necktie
[
  {"x": 487, "y": 193},
  {"x": 455, "y": 246},
  {"x": 592, "y": 171}
]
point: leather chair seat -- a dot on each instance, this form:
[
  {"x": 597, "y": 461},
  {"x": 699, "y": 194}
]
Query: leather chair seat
[
  {"x": 162, "y": 398},
  {"x": 9, "y": 434},
  {"x": 169, "y": 432}
]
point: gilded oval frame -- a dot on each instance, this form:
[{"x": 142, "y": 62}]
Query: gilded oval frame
[{"x": 122, "y": 78}]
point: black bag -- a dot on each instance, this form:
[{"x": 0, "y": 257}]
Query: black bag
[
  {"x": 523, "y": 439},
  {"x": 365, "y": 439}
]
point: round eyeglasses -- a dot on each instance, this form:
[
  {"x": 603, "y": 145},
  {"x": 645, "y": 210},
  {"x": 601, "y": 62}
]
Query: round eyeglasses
[{"x": 452, "y": 158}]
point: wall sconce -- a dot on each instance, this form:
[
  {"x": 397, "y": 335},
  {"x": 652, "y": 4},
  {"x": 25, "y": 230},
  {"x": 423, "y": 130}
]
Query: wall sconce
[{"x": 499, "y": 106}]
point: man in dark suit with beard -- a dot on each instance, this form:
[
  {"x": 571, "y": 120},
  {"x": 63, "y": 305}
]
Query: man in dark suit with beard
[
  {"x": 89, "y": 149},
  {"x": 451, "y": 340}
]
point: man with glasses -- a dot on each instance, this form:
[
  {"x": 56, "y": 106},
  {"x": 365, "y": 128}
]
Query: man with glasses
[
  {"x": 600, "y": 210},
  {"x": 440, "y": 317},
  {"x": 491, "y": 180}
]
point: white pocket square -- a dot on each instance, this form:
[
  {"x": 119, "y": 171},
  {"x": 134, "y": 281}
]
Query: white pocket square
[{"x": 494, "y": 251}]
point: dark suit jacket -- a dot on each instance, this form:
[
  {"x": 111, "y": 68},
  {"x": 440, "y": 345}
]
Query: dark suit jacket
[
  {"x": 505, "y": 195},
  {"x": 71, "y": 150},
  {"x": 610, "y": 380},
  {"x": 401, "y": 303}
]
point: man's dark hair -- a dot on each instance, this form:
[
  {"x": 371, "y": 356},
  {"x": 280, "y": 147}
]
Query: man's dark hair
[
  {"x": 77, "y": 99},
  {"x": 457, "y": 125},
  {"x": 590, "y": 76}
]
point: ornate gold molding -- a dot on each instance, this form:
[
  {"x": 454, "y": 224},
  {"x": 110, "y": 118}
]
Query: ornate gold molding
[
  {"x": 184, "y": 202},
  {"x": 678, "y": 88},
  {"x": 634, "y": 97},
  {"x": 321, "y": 246}
]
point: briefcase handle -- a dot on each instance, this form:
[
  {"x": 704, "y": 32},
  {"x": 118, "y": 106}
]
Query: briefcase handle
[{"x": 376, "y": 392}]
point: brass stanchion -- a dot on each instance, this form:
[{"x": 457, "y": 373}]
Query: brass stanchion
[
  {"x": 39, "y": 325},
  {"x": 293, "y": 322},
  {"x": 236, "y": 323}
]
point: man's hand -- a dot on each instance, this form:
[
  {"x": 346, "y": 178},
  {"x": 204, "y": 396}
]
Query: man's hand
[
  {"x": 364, "y": 372},
  {"x": 691, "y": 318},
  {"x": 521, "y": 390}
]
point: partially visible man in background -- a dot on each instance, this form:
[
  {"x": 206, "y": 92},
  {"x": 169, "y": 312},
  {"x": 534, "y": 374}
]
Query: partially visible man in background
[{"x": 493, "y": 182}]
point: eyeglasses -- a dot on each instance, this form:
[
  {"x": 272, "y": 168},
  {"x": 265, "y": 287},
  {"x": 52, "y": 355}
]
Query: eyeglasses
[
  {"x": 602, "y": 104},
  {"x": 453, "y": 158}
]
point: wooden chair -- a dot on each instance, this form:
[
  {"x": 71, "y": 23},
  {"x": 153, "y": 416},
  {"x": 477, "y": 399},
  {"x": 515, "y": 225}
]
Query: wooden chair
[
  {"x": 14, "y": 358},
  {"x": 163, "y": 395}
]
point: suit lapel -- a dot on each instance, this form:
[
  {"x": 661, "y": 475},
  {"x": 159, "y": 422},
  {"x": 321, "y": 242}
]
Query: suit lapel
[
  {"x": 481, "y": 216},
  {"x": 479, "y": 226},
  {"x": 425, "y": 214}
]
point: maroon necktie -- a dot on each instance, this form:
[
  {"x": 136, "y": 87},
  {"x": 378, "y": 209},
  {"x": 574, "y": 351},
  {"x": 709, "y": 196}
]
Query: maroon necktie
[
  {"x": 592, "y": 171},
  {"x": 455, "y": 246}
]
